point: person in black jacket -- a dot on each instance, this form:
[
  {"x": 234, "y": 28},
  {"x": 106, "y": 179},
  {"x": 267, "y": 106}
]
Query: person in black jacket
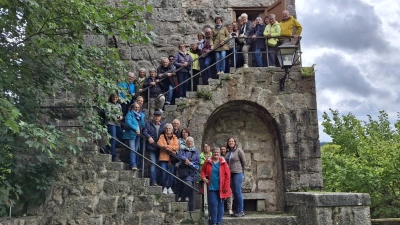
[
  {"x": 152, "y": 132},
  {"x": 166, "y": 72},
  {"x": 157, "y": 99}
]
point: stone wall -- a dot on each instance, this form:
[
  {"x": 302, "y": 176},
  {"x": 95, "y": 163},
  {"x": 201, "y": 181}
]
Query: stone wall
[{"x": 330, "y": 208}]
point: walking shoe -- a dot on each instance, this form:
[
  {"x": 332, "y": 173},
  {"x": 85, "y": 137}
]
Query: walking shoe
[
  {"x": 169, "y": 191},
  {"x": 153, "y": 184},
  {"x": 179, "y": 199},
  {"x": 134, "y": 168},
  {"x": 222, "y": 72},
  {"x": 239, "y": 214},
  {"x": 164, "y": 191},
  {"x": 186, "y": 199},
  {"x": 230, "y": 212},
  {"x": 245, "y": 66},
  {"x": 168, "y": 103}
]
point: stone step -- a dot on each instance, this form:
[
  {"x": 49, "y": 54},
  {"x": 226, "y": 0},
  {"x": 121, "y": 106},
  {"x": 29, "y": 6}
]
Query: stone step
[{"x": 260, "y": 219}]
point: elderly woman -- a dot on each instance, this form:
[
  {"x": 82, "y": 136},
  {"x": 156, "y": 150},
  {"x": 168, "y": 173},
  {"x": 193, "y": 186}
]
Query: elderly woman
[
  {"x": 129, "y": 88},
  {"x": 168, "y": 144},
  {"x": 216, "y": 174},
  {"x": 200, "y": 42},
  {"x": 134, "y": 121},
  {"x": 114, "y": 117},
  {"x": 237, "y": 163},
  {"x": 272, "y": 31},
  {"x": 183, "y": 63},
  {"x": 195, "y": 53},
  {"x": 190, "y": 161},
  {"x": 258, "y": 43},
  {"x": 182, "y": 141},
  {"x": 219, "y": 40},
  {"x": 205, "y": 154},
  {"x": 139, "y": 82}
]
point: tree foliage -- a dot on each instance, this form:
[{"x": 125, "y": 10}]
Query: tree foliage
[
  {"x": 43, "y": 53},
  {"x": 364, "y": 157}
]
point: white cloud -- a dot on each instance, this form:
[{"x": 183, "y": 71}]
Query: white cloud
[{"x": 354, "y": 44}]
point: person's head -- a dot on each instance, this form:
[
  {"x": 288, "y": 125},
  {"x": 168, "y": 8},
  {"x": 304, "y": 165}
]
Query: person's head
[
  {"x": 185, "y": 133},
  {"x": 200, "y": 36},
  {"x": 218, "y": 20},
  {"x": 135, "y": 107},
  {"x": 235, "y": 26},
  {"x": 259, "y": 20},
  {"x": 271, "y": 18},
  {"x": 285, "y": 15},
  {"x": 176, "y": 124},
  {"x": 171, "y": 59},
  {"x": 245, "y": 17},
  {"x": 153, "y": 72},
  {"x": 266, "y": 20},
  {"x": 231, "y": 143},
  {"x": 189, "y": 142},
  {"x": 216, "y": 153},
  {"x": 223, "y": 150},
  {"x": 207, "y": 32},
  {"x": 164, "y": 61},
  {"x": 168, "y": 129},
  {"x": 239, "y": 20},
  {"x": 206, "y": 148},
  {"x": 193, "y": 46},
  {"x": 142, "y": 72},
  {"x": 253, "y": 23},
  {"x": 140, "y": 100},
  {"x": 131, "y": 77},
  {"x": 182, "y": 47},
  {"x": 113, "y": 98},
  {"x": 229, "y": 27},
  {"x": 156, "y": 116}
]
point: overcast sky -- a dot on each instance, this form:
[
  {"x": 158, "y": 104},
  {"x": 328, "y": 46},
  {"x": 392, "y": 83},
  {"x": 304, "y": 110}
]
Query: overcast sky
[{"x": 355, "y": 45}]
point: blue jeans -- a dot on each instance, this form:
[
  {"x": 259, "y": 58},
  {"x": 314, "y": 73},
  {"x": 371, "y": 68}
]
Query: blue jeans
[
  {"x": 167, "y": 180},
  {"x": 258, "y": 57},
  {"x": 218, "y": 56},
  {"x": 271, "y": 56},
  {"x": 153, "y": 155},
  {"x": 236, "y": 186},
  {"x": 216, "y": 207},
  {"x": 139, "y": 149},
  {"x": 170, "y": 94},
  {"x": 182, "y": 76},
  {"x": 132, "y": 154},
  {"x": 115, "y": 132},
  {"x": 206, "y": 74}
]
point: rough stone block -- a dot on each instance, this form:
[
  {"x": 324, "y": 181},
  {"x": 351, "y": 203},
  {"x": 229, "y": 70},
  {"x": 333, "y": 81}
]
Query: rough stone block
[
  {"x": 110, "y": 175},
  {"x": 116, "y": 187},
  {"x": 114, "y": 166},
  {"x": 169, "y": 15},
  {"x": 131, "y": 219},
  {"x": 94, "y": 40},
  {"x": 101, "y": 158},
  {"x": 152, "y": 218},
  {"x": 152, "y": 190},
  {"x": 107, "y": 205},
  {"x": 143, "y": 203},
  {"x": 170, "y": 108},
  {"x": 179, "y": 206},
  {"x": 125, "y": 204}
]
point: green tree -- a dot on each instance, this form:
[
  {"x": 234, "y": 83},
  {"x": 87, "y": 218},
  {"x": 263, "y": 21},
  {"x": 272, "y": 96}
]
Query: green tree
[
  {"x": 43, "y": 52},
  {"x": 364, "y": 157}
]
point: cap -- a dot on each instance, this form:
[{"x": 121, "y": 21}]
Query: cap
[{"x": 157, "y": 113}]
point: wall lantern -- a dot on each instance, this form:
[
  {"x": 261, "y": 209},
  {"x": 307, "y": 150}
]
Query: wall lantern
[{"x": 286, "y": 56}]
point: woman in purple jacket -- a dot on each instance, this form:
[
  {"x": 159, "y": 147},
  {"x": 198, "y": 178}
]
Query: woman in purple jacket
[{"x": 183, "y": 63}]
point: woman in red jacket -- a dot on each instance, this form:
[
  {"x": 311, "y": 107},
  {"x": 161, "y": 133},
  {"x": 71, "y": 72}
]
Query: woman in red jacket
[{"x": 216, "y": 174}]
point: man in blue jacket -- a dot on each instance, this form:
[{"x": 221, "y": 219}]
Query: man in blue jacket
[{"x": 152, "y": 132}]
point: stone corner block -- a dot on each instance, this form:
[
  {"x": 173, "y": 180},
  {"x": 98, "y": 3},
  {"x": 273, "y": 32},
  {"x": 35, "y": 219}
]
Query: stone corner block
[{"x": 328, "y": 199}]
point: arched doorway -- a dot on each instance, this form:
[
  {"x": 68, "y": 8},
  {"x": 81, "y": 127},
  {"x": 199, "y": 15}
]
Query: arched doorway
[{"x": 258, "y": 135}]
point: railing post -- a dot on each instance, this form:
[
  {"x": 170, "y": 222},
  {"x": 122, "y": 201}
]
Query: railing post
[
  {"x": 234, "y": 53},
  {"x": 191, "y": 78},
  {"x": 205, "y": 200},
  {"x": 267, "y": 54},
  {"x": 148, "y": 101},
  {"x": 143, "y": 153}
]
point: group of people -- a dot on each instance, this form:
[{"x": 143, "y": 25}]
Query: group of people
[
  {"x": 172, "y": 79},
  {"x": 173, "y": 149}
]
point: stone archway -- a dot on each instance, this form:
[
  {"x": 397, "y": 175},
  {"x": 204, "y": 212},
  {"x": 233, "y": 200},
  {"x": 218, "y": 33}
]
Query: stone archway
[{"x": 258, "y": 135}]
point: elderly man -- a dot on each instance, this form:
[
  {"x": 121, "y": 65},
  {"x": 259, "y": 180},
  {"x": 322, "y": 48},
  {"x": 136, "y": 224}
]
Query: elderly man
[
  {"x": 166, "y": 72},
  {"x": 245, "y": 31},
  {"x": 288, "y": 24},
  {"x": 152, "y": 132},
  {"x": 176, "y": 124}
]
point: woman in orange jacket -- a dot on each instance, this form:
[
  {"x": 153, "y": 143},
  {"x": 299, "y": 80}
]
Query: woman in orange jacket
[
  {"x": 216, "y": 174},
  {"x": 167, "y": 142}
]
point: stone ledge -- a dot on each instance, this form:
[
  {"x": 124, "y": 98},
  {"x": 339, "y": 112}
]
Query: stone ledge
[
  {"x": 328, "y": 199},
  {"x": 248, "y": 196}
]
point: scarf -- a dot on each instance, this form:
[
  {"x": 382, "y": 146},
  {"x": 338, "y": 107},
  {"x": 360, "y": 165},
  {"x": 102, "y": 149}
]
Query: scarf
[
  {"x": 137, "y": 115},
  {"x": 218, "y": 27}
]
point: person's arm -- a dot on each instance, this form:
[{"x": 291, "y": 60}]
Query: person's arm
[
  {"x": 265, "y": 33},
  {"x": 176, "y": 62},
  {"x": 162, "y": 143},
  {"x": 242, "y": 159},
  {"x": 278, "y": 31},
  {"x": 203, "y": 172},
  {"x": 211, "y": 40},
  {"x": 132, "y": 123},
  {"x": 227, "y": 35},
  {"x": 146, "y": 131},
  {"x": 298, "y": 26},
  {"x": 174, "y": 145}
]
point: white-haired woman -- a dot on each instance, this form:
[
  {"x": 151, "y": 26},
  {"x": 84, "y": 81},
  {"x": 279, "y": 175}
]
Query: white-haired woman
[{"x": 168, "y": 144}]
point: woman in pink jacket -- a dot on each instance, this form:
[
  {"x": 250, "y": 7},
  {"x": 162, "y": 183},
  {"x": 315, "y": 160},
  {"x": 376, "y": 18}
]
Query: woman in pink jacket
[{"x": 216, "y": 174}]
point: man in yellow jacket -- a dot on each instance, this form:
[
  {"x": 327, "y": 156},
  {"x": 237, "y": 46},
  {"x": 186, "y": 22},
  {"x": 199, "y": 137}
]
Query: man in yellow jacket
[{"x": 289, "y": 23}]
